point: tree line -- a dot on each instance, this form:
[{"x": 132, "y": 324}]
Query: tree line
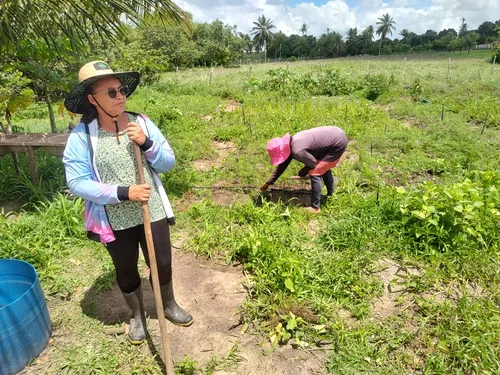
[
  {"x": 371, "y": 40},
  {"x": 44, "y": 43}
]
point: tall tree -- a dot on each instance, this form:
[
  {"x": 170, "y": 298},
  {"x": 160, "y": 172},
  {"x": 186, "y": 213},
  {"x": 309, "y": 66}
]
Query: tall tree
[
  {"x": 386, "y": 26},
  {"x": 405, "y": 33},
  {"x": 367, "y": 38},
  {"x": 352, "y": 41},
  {"x": 262, "y": 32},
  {"x": 78, "y": 20},
  {"x": 463, "y": 28},
  {"x": 331, "y": 45},
  {"x": 486, "y": 32},
  {"x": 248, "y": 42},
  {"x": 303, "y": 29},
  {"x": 278, "y": 44},
  {"x": 471, "y": 40}
]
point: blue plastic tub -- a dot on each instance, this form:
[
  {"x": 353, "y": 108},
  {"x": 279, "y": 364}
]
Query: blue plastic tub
[{"x": 24, "y": 318}]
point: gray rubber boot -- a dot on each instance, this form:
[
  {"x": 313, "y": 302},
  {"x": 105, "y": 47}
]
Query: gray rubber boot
[
  {"x": 137, "y": 327},
  {"x": 173, "y": 311}
]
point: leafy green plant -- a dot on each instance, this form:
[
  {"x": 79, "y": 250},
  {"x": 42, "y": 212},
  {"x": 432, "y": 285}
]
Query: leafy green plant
[
  {"x": 445, "y": 218},
  {"x": 333, "y": 83},
  {"x": 187, "y": 366},
  {"x": 416, "y": 89},
  {"x": 290, "y": 328},
  {"x": 375, "y": 85}
]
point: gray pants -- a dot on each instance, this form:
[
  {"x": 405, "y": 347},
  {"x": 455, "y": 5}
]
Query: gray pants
[{"x": 316, "y": 187}]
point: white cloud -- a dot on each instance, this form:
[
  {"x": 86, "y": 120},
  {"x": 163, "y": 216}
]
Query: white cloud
[{"x": 418, "y": 16}]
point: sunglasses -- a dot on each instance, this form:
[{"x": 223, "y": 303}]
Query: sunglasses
[{"x": 112, "y": 92}]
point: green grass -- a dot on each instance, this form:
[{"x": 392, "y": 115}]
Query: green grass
[{"x": 414, "y": 189}]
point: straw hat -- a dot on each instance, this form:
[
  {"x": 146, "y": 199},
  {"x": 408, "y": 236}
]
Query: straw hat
[{"x": 91, "y": 72}]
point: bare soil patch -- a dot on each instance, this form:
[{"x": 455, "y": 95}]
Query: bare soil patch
[
  {"x": 225, "y": 197},
  {"x": 213, "y": 294},
  {"x": 393, "y": 276},
  {"x": 222, "y": 151}
]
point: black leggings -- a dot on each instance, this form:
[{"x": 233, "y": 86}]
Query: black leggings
[
  {"x": 316, "y": 187},
  {"x": 124, "y": 251}
]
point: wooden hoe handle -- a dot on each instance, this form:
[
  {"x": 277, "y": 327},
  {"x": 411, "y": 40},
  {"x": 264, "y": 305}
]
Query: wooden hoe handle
[{"x": 169, "y": 364}]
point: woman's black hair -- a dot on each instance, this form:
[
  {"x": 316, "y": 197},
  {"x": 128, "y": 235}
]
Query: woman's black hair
[{"x": 89, "y": 112}]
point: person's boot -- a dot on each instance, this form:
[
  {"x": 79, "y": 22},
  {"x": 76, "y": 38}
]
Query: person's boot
[
  {"x": 137, "y": 326},
  {"x": 173, "y": 311}
]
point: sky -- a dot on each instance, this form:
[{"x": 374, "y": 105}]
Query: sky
[{"x": 340, "y": 15}]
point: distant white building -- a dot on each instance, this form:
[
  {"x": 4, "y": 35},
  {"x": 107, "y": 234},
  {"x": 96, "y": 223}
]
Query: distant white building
[{"x": 486, "y": 46}]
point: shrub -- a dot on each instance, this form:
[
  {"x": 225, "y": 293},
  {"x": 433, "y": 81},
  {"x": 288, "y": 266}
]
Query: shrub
[
  {"x": 462, "y": 215},
  {"x": 332, "y": 83},
  {"x": 375, "y": 85}
]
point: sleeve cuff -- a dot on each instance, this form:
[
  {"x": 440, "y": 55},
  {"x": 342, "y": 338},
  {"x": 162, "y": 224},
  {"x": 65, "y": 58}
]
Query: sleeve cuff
[
  {"x": 122, "y": 193},
  {"x": 147, "y": 144}
]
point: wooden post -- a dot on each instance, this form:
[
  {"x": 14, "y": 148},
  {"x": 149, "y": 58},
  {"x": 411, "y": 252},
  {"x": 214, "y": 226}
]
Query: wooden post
[
  {"x": 442, "y": 114},
  {"x": 30, "y": 153},
  {"x": 404, "y": 67},
  {"x": 449, "y": 67},
  {"x": 485, "y": 122},
  {"x": 378, "y": 193},
  {"x": 243, "y": 112},
  {"x": 493, "y": 64},
  {"x": 169, "y": 363},
  {"x": 211, "y": 74},
  {"x": 15, "y": 160}
]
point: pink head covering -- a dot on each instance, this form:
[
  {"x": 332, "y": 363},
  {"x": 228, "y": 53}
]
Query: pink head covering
[{"x": 279, "y": 149}]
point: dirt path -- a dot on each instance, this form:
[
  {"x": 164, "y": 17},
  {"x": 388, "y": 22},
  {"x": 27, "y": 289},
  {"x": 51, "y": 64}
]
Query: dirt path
[{"x": 213, "y": 294}]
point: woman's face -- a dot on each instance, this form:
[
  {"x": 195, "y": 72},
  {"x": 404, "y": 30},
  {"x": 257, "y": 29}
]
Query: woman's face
[{"x": 103, "y": 91}]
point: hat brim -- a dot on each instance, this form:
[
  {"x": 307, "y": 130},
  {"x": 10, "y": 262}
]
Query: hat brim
[{"x": 75, "y": 100}]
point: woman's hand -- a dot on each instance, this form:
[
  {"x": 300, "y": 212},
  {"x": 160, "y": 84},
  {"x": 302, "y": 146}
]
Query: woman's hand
[
  {"x": 264, "y": 187},
  {"x": 135, "y": 133},
  {"x": 139, "y": 193}
]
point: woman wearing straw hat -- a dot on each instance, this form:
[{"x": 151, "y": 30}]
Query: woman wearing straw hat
[
  {"x": 319, "y": 149},
  {"x": 100, "y": 167}
]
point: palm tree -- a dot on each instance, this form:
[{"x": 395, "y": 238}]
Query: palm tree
[
  {"x": 367, "y": 37},
  {"x": 332, "y": 44},
  {"x": 262, "y": 33},
  {"x": 78, "y": 20},
  {"x": 471, "y": 40},
  {"x": 303, "y": 29},
  {"x": 405, "y": 33},
  {"x": 279, "y": 43},
  {"x": 463, "y": 28},
  {"x": 352, "y": 33},
  {"x": 386, "y": 27},
  {"x": 352, "y": 41}
]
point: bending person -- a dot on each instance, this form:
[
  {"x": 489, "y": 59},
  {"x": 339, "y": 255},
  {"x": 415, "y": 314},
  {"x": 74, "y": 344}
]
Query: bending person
[{"x": 319, "y": 149}]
